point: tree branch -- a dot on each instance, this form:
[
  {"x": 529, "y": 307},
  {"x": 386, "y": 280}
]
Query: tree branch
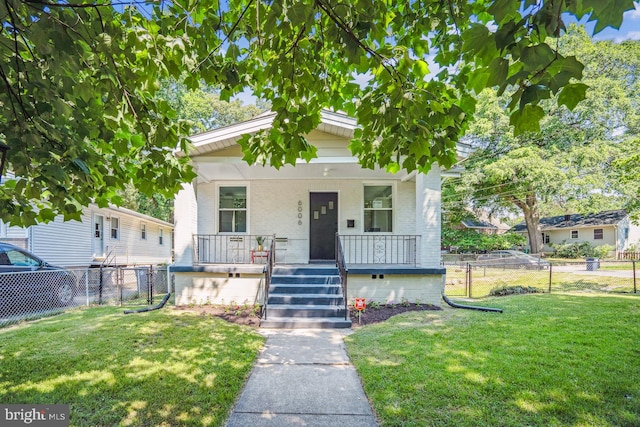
[{"x": 227, "y": 36}]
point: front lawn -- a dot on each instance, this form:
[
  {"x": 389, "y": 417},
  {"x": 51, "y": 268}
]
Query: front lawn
[
  {"x": 548, "y": 360},
  {"x": 484, "y": 279},
  {"x": 165, "y": 367}
]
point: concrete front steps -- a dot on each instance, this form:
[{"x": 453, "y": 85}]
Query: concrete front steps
[{"x": 305, "y": 297}]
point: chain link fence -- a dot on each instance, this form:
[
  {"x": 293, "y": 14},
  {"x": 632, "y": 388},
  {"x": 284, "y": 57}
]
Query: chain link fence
[
  {"x": 35, "y": 294},
  {"x": 476, "y": 279}
]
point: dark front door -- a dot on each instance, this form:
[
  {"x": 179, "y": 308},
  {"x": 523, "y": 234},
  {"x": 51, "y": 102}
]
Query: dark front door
[{"x": 324, "y": 226}]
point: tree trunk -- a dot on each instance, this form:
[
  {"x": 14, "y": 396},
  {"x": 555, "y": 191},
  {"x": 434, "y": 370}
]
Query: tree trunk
[{"x": 532, "y": 220}]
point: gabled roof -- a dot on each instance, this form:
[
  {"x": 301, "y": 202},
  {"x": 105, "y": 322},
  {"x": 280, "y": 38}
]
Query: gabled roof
[
  {"x": 335, "y": 123},
  {"x": 477, "y": 223},
  {"x": 578, "y": 220},
  {"x": 331, "y": 122}
]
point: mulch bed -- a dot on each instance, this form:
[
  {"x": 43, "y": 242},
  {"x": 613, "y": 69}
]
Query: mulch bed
[{"x": 248, "y": 317}]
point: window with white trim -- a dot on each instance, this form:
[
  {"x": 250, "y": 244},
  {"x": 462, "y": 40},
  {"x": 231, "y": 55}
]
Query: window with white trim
[
  {"x": 143, "y": 231},
  {"x": 545, "y": 238},
  {"x": 598, "y": 234},
  {"x": 232, "y": 209},
  {"x": 160, "y": 236},
  {"x": 115, "y": 228},
  {"x": 378, "y": 208},
  {"x": 574, "y": 234}
]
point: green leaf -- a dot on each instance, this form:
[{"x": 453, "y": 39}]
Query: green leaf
[
  {"x": 537, "y": 56},
  {"x": 499, "y": 69},
  {"x": 607, "y": 13},
  {"x": 526, "y": 119},
  {"x": 533, "y": 94},
  {"x": 572, "y": 94}
]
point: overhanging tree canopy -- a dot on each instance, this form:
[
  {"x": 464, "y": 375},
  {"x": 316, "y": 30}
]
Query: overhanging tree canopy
[
  {"x": 78, "y": 109},
  {"x": 580, "y": 161}
]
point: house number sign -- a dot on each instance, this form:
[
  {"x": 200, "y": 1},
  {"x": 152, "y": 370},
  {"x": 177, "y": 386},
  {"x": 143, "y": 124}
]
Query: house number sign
[{"x": 299, "y": 212}]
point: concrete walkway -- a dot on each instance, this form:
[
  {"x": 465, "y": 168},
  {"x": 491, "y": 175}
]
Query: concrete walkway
[{"x": 303, "y": 377}]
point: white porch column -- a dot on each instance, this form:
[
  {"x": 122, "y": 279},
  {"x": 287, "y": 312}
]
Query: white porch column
[
  {"x": 428, "y": 222},
  {"x": 186, "y": 224}
]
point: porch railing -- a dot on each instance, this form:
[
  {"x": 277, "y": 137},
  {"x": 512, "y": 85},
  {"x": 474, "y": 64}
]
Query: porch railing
[
  {"x": 381, "y": 249},
  {"x": 344, "y": 272},
  {"x": 231, "y": 248}
]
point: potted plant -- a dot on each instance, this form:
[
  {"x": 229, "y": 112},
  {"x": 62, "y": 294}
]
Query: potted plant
[{"x": 260, "y": 241}]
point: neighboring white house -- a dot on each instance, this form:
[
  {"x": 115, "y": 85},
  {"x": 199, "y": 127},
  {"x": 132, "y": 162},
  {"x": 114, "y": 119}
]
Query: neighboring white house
[
  {"x": 388, "y": 224},
  {"x": 109, "y": 236},
  {"x": 612, "y": 228}
]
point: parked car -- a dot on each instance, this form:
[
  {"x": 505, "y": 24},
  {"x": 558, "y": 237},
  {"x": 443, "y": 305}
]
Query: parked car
[
  {"x": 29, "y": 284},
  {"x": 512, "y": 259}
]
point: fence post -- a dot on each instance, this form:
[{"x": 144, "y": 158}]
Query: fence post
[
  {"x": 120, "y": 282},
  {"x": 100, "y": 284},
  {"x": 150, "y": 285},
  {"x": 469, "y": 270},
  {"x": 635, "y": 287},
  {"x": 86, "y": 284},
  {"x": 466, "y": 279},
  {"x": 550, "y": 276}
]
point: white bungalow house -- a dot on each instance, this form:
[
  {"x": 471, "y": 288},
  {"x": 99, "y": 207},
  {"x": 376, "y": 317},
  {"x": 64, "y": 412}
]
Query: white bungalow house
[
  {"x": 613, "y": 228},
  {"x": 105, "y": 236},
  {"x": 385, "y": 227}
]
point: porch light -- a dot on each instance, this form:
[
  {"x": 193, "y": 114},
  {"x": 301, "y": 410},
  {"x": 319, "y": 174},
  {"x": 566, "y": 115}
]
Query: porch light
[{"x": 4, "y": 148}]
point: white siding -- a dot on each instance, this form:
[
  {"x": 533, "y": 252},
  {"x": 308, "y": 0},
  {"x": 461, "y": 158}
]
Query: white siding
[
  {"x": 130, "y": 249},
  {"x": 70, "y": 243},
  {"x": 15, "y": 235},
  {"x": 63, "y": 243}
]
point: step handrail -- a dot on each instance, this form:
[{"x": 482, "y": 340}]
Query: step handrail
[
  {"x": 344, "y": 271},
  {"x": 268, "y": 273}
]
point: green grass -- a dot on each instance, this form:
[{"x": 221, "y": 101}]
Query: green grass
[
  {"x": 485, "y": 279},
  {"x": 165, "y": 367},
  {"x": 548, "y": 360}
]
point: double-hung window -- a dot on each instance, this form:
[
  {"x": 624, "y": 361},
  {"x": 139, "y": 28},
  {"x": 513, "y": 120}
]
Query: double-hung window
[
  {"x": 378, "y": 208},
  {"x": 598, "y": 234},
  {"x": 115, "y": 228},
  {"x": 160, "y": 236},
  {"x": 574, "y": 234},
  {"x": 143, "y": 231},
  {"x": 232, "y": 210}
]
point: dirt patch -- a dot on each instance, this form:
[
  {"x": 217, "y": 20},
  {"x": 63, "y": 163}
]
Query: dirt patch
[
  {"x": 240, "y": 316},
  {"x": 251, "y": 317}
]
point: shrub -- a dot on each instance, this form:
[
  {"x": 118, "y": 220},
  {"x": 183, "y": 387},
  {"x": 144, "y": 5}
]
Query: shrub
[
  {"x": 580, "y": 250},
  {"x": 603, "y": 251},
  {"x": 513, "y": 290}
]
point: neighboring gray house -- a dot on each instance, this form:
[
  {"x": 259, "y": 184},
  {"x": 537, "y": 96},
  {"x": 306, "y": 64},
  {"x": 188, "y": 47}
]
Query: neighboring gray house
[
  {"x": 479, "y": 225},
  {"x": 109, "y": 236},
  {"x": 612, "y": 228}
]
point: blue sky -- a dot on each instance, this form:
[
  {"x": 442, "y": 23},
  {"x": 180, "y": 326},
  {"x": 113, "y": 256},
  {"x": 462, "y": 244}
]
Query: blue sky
[{"x": 630, "y": 29}]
